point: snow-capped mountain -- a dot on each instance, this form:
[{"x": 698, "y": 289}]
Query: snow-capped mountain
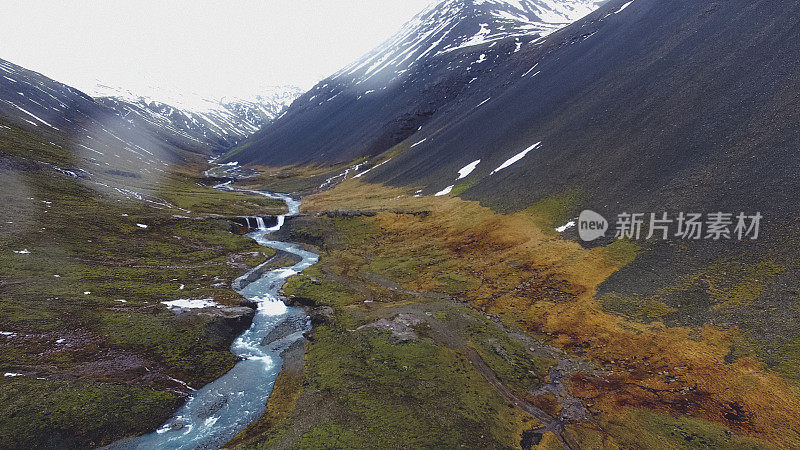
[
  {"x": 664, "y": 86},
  {"x": 125, "y": 144},
  {"x": 448, "y": 51},
  {"x": 222, "y": 122},
  {"x": 108, "y": 149},
  {"x": 460, "y": 24}
]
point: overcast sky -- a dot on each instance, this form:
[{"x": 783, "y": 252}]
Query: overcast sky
[{"x": 213, "y": 48}]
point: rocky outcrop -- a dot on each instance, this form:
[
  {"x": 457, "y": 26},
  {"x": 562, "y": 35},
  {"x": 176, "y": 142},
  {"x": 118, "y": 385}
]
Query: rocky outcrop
[
  {"x": 320, "y": 314},
  {"x": 256, "y": 273},
  {"x": 227, "y": 322},
  {"x": 293, "y": 324},
  {"x": 400, "y": 326}
]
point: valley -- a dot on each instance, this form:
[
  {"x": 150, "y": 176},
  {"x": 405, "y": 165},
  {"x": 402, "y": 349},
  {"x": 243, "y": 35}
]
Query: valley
[
  {"x": 397, "y": 257},
  {"x": 499, "y": 292},
  {"x": 83, "y": 279}
]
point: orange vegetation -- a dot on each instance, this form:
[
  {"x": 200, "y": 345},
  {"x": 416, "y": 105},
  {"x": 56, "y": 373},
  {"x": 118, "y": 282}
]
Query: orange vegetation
[{"x": 547, "y": 286}]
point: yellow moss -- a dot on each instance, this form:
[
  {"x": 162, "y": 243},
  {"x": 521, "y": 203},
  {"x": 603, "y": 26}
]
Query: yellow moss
[
  {"x": 550, "y": 442},
  {"x": 516, "y": 266}
]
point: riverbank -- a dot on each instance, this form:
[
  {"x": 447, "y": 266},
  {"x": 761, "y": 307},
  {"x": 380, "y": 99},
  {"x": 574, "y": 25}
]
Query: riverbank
[
  {"x": 83, "y": 326},
  {"x": 444, "y": 315},
  {"x": 217, "y": 412}
]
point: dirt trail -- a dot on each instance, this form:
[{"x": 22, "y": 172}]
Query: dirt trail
[{"x": 572, "y": 409}]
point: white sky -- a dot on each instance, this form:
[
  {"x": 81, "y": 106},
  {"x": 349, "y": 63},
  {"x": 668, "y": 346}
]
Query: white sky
[{"x": 212, "y": 48}]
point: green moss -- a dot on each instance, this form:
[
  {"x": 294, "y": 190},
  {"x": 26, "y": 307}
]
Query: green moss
[
  {"x": 455, "y": 284},
  {"x": 185, "y": 193},
  {"x": 729, "y": 283},
  {"x": 736, "y": 284},
  {"x": 416, "y": 393},
  {"x": 621, "y": 252},
  {"x": 354, "y": 231},
  {"x": 508, "y": 359},
  {"x": 405, "y": 267},
  {"x": 181, "y": 344},
  {"x": 554, "y": 211},
  {"x": 395, "y": 151},
  {"x": 331, "y": 435},
  {"x": 312, "y": 285},
  {"x": 20, "y": 143},
  {"x": 635, "y": 307},
  {"x": 781, "y": 356},
  {"x": 258, "y": 259},
  {"x": 460, "y": 188},
  {"x": 61, "y": 414}
]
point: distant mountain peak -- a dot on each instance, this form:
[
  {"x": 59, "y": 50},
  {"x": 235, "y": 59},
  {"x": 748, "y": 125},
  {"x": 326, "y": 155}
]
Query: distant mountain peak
[
  {"x": 224, "y": 121},
  {"x": 452, "y": 25}
]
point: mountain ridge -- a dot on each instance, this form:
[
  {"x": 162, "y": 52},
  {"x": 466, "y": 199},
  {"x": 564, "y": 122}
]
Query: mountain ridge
[
  {"x": 222, "y": 122},
  {"x": 387, "y": 95}
]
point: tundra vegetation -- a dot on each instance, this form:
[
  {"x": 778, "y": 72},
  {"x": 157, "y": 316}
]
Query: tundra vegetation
[
  {"x": 438, "y": 321},
  {"x": 84, "y": 272},
  {"x": 503, "y": 292}
]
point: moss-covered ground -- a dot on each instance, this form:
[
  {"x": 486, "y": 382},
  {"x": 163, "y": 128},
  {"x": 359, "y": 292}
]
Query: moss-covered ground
[
  {"x": 84, "y": 269},
  {"x": 655, "y": 385},
  {"x": 488, "y": 311}
]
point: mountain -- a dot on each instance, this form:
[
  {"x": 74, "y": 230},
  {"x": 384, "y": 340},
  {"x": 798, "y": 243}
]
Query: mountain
[
  {"x": 445, "y": 53},
  {"x": 105, "y": 141},
  {"x": 127, "y": 141},
  {"x": 639, "y": 104},
  {"x": 221, "y": 123},
  {"x": 642, "y": 106}
]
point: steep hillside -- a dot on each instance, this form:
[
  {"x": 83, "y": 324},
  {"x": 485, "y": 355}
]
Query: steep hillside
[
  {"x": 677, "y": 106},
  {"x": 639, "y": 104},
  {"x": 106, "y": 147},
  {"x": 385, "y": 97}
]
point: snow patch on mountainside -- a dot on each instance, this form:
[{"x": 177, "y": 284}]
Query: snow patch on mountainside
[
  {"x": 516, "y": 158},
  {"x": 452, "y": 25},
  {"x": 466, "y": 170}
]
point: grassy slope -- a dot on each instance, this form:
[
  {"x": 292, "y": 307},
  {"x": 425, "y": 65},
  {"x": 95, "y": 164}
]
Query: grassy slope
[
  {"x": 664, "y": 386},
  {"x": 95, "y": 368}
]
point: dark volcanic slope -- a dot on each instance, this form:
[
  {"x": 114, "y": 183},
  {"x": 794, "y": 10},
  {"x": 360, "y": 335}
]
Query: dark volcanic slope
[
  {"x": 382, "y": 99},
  {"x": 679, "y": 104}
]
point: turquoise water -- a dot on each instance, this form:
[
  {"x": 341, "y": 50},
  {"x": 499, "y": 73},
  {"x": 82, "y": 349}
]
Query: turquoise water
[{"x": 216, "y": 413}]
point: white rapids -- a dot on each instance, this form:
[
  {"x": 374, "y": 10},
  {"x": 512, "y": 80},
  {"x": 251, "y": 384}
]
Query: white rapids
[{"x": 214, "y": 414}]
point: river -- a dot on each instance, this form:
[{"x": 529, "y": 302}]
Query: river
[{"x": 216, "y": 413}]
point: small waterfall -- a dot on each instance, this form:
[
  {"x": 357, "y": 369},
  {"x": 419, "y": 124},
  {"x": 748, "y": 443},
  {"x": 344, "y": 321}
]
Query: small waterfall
[
  {"x": 260, "y": 223},
  {"x": 279, "y": 225},
  {"x": 215, "y": 413}
]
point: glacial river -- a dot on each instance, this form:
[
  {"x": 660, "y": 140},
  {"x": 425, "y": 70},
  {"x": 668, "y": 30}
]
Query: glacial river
[{"x": 217, "y": 412}]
